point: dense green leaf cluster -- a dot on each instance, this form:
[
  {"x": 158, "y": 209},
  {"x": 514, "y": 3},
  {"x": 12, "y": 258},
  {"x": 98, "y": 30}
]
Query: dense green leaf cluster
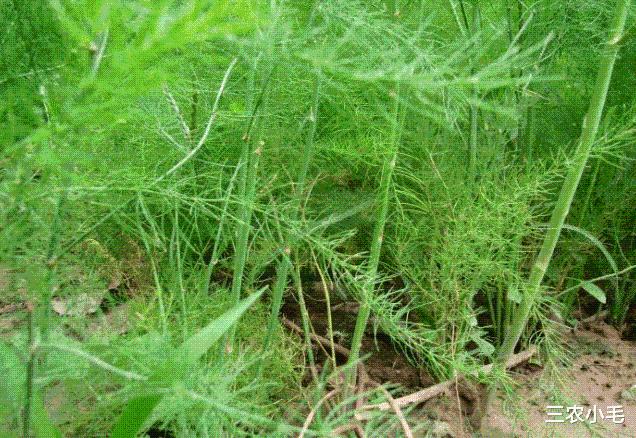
[{"x": 178, "y": 156}]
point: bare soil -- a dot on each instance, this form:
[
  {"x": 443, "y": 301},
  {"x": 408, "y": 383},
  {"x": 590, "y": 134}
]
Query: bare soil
[{"x": 603, "y": 374}]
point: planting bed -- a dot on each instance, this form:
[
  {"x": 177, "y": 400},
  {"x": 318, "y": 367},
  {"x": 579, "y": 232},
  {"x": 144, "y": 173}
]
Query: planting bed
[{"x": 602, "y": 374}]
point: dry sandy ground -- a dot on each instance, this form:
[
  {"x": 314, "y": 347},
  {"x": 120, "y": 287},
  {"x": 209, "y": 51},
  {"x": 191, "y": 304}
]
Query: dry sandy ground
[{"x": 603, "y": 374}]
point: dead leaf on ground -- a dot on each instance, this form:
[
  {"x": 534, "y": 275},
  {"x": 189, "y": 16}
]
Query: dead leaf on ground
[
  {"x": 10, "y": 308},
  {"x": 79, "y": 305},
  {"x": 115, "y": 282},
  {"x": 7, "y": 324},
  {"x": 116, "y": 321}
]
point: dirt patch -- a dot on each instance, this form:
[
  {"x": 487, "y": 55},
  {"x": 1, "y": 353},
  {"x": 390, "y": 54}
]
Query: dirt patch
[
  {"x": 602, "y": 376},
  {"x": 438, "y": 417},
  {"x": 384, "y": 362}
]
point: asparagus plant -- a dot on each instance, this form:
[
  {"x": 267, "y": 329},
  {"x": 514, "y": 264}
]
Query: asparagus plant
[
  {"x": 284, "y": 265},
  {"x": 568, "y": 190},
  {"x": 250, "y": 157},
  {"x": 474, "y": 112},
  {"x": 37, "y": 357},
  {"x": 376, "y": 239}
]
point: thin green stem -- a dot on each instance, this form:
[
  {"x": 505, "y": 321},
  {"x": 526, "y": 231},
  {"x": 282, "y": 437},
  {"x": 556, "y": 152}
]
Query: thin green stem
[
  {"x": 376, "y": 241},
  {"x": 247, "y": 202},
  {"x": 284, "y": 265},
  {"x": 462, "y": 8},
  {"x": 602, "y": 277},
  {"x": 458, "y": 20},
  {"x": 590, "y": 191},
  {"x": 30, "y": 376},
  {"x": 308, "y": 149},
  {"x": 214, "y": 258},
  {"x": 179, "y": 264},
  {"x": 153, "y": 265},
  {"x": 304, "y": 314},
  {"x": 51, "y": 260},
  {"x": 328, "y": 309},
  {"x": 248, "y": 163},
  {"x": 531, "y": 135},
  {"x": 250, "y": 158}
]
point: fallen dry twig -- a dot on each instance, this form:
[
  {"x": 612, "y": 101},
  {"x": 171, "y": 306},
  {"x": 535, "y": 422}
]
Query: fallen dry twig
[
  {"x": 339, "y": 431},
  {"x": 9, "y": 308},
  {"x": 392, "y": 403},
  {"x": 362, "y": 381},
  {"x": 321, "y": 340},
  {"x": 312, "y": 414},
  {"x": 597, "y": 317},
  {"x": 316, "y": 338},
  {"x": 396, "y": 408},
  {"x": 435, "y": 390}
]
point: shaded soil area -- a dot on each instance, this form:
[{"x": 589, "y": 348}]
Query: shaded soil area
[
  {"x": 383, "y": 362},
  {"x": 602, "y": 376},
  {"x": 442, "y": 416}
]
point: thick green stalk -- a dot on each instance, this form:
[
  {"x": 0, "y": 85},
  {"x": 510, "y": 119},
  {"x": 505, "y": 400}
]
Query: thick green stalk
[
  {"x": 515, "y": 26},
  {"x": 499, "y": 324},
  {"x": 284, "y": 265},
  {"x": 44, "y": 304},
  {"x": 473, "y": 137},
  {"x": 240, "y": 257},
  {"x": 474, "y": 112},
  {"x": 247, "y": 185},
  {"x": 568, "y": 190},
  {"x": 376, "y": 242}
]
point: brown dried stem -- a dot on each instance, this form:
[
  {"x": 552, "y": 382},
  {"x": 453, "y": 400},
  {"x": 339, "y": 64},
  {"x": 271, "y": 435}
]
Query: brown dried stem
[{"x": 440, "y": 388}]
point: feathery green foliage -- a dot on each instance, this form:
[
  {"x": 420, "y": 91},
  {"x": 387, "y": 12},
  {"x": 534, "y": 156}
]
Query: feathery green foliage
[{"x": 161, "y": 160}]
